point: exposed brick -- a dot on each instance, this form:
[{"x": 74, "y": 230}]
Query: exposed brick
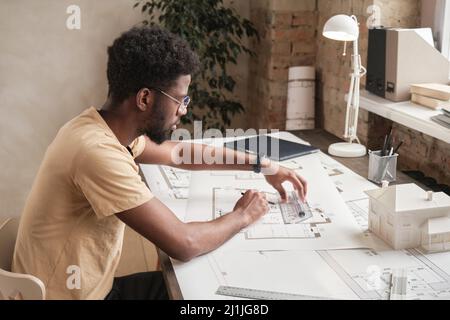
[
  {"x": 278, "y": 74},
  {"x": 303, "y": 18},
  {"x": 300, "y": 47},
  {"x": 281, "y": 20},
  {"x": 293, "y": 34},
  {"x": 281, "y": 48}
]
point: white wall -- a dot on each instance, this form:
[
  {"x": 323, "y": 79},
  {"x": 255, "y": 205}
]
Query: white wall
[{"x": 49, "y": 74}]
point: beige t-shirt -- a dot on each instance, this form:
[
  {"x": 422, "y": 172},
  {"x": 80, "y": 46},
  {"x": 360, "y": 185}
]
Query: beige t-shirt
[{"x": 69, "y": 234}]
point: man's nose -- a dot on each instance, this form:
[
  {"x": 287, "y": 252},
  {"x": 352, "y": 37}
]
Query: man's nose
[{"x": 183, "y": 111}]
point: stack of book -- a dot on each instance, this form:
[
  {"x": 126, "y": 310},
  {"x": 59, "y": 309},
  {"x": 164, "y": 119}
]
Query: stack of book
[{"x": 432, "y": 95}]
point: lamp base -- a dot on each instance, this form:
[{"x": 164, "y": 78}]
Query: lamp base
[{"x": 347, "y": 150}]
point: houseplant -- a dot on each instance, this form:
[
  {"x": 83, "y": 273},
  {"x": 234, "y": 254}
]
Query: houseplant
[{"x": 215, "y": 32}]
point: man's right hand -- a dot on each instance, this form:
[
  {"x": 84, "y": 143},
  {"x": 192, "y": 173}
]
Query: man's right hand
[{"x": 252, "y": 205}]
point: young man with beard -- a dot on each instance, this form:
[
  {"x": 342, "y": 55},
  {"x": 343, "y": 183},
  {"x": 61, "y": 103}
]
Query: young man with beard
[{"x": 88, "y": 186}]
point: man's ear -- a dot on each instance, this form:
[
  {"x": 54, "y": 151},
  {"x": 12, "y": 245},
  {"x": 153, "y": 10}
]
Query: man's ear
[{"x": 144, "y": 99}]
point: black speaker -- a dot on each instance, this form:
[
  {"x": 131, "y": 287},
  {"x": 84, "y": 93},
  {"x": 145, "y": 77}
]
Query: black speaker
[{"x": 376, "y": 62}]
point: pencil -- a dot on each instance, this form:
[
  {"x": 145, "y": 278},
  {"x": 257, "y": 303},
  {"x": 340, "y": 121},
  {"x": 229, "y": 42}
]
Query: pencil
[{"x": 270, "y": 202}]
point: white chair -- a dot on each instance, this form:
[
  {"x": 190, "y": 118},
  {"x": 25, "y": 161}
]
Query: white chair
[{"x": 15, "y": 285}]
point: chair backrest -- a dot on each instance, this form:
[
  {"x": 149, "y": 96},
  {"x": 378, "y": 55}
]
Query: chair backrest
[
  {"x": 8, "y": 235},
  {"x": 15, "y": 285}
]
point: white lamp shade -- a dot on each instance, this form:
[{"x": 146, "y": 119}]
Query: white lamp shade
[{"x": 342, "y": 28}]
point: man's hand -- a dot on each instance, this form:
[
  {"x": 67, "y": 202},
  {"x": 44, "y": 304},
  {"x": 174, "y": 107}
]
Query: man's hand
[
  {"x": 278, "y": 174},
  {"x": 253, "y": 205}
]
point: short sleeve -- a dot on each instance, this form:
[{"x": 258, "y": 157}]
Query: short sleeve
[
  {"x": 138, "y": 146},
  {"x": 110, "y": 180}
]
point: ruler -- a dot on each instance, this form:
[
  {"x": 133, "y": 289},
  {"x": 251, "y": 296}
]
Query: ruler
[
  {"x": 399, "y": 284},
  {"x": 263, "y": 294}
]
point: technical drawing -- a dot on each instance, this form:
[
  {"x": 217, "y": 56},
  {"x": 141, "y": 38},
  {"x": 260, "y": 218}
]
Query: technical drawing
[
  {"x": 177, "y": 180},
  {"x": 360, "y": 211},
  {"x": 284, "y": 220},
  {"x": 364, "y": 273},
  {"x": 240, "y": 175}
]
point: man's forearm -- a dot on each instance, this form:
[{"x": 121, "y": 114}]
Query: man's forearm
[{"x": 205, "y": 237}]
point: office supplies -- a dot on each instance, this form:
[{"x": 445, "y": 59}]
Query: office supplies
[
  {"x": 399, "y": 284},
  {"x": 446, "y": 111},
  {"x": 392, "y": 66},
  {"x": 382, "y": 167},
  {"x": 387, "y": 144},
  {"x": 273, "y": 148},
  {"x": 376, "y": 62},
  {"x": 270, "y": 202},
  {"x": 389, "y": 140},
  {"x": 398, "y": 147},
  {"x": 443, "y": 120},
  {"x": 432, "y": 90},
  {"x": 294, "y": 211},
  {"x": 263, "y": 294},
  {"x": 345, "y": 28},
  {"x": 384, "y": 146},
  {"x": 428, "y": 102}
]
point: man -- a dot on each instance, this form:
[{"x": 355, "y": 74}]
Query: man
[{"x": 88, "y": 186}]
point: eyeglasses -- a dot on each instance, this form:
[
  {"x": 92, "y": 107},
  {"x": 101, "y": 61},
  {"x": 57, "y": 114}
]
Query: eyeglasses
[{"x": 182, "y": 104}]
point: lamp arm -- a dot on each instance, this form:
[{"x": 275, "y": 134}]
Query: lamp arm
[{"x": 352, "y": 113}]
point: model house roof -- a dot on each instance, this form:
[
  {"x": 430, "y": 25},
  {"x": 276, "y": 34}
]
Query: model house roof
[
  {"x": 408, "y": 197},
  {"x": 437, "y": 225}
]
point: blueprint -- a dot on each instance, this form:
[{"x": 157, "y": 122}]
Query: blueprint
[
  {"x": 283, "y": 221},
  {"x": 163, "y": 183},
  {"x": 331, "y": 225},
  {"x": 339, "y": 274}
]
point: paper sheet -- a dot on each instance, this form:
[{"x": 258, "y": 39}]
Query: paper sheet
[
  {"x": 353, "y": 273},
  {"x": 339, "y": 229}
]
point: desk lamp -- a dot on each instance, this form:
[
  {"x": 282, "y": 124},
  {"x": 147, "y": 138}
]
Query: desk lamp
[{"x": 345, "y": 28}]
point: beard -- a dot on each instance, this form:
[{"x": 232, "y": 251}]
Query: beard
[{"x": 155, "y": 128}]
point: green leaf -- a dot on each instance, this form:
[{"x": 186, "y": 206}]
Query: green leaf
[{"x": 215, "y": 33}]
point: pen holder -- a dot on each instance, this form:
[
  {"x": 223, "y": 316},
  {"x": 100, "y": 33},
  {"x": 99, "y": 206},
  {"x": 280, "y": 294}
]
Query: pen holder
[{"x": 382, "y": 168}]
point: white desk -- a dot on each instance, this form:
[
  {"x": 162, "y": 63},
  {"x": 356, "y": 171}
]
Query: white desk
[
  {"x": 338, "y": 273},
  {"x": 405, "y": 113}
]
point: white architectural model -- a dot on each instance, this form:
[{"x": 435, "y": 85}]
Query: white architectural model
[{"x": 406, "y": 216}]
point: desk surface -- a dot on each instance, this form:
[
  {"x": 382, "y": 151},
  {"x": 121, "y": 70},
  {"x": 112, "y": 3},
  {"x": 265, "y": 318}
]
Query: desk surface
[{"x": 318, "y": 138}]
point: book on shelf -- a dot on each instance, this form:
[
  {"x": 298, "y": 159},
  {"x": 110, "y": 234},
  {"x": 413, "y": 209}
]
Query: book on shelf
[
  {"x": 432, "y": 90},
  {"x": 432, "y": 103}
]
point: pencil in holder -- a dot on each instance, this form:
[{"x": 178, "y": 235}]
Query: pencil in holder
[{"x": 382, "y": 168}]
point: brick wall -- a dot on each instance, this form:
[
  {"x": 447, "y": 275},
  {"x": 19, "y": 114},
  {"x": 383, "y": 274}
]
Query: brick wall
[
  {"x": 291, "y": 34},
  {"x": 334, "y": 69},
  {"x": 287, "y": 29}
]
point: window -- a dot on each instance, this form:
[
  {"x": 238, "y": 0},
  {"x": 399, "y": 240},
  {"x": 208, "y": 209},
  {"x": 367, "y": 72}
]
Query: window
[{"x": 442, "y": 23}]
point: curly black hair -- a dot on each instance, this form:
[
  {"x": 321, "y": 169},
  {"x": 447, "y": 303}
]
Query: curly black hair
[{"x": 147, "y": 57}]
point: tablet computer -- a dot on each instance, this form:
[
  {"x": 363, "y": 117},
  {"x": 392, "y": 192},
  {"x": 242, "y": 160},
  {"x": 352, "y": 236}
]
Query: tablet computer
[{"x": 273, "y": 148}]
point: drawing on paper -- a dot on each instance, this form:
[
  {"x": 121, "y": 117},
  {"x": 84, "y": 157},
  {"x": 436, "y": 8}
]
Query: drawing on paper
[
  {"x": 177, "y": 180},
  {"x": 292, "y": 219}
]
